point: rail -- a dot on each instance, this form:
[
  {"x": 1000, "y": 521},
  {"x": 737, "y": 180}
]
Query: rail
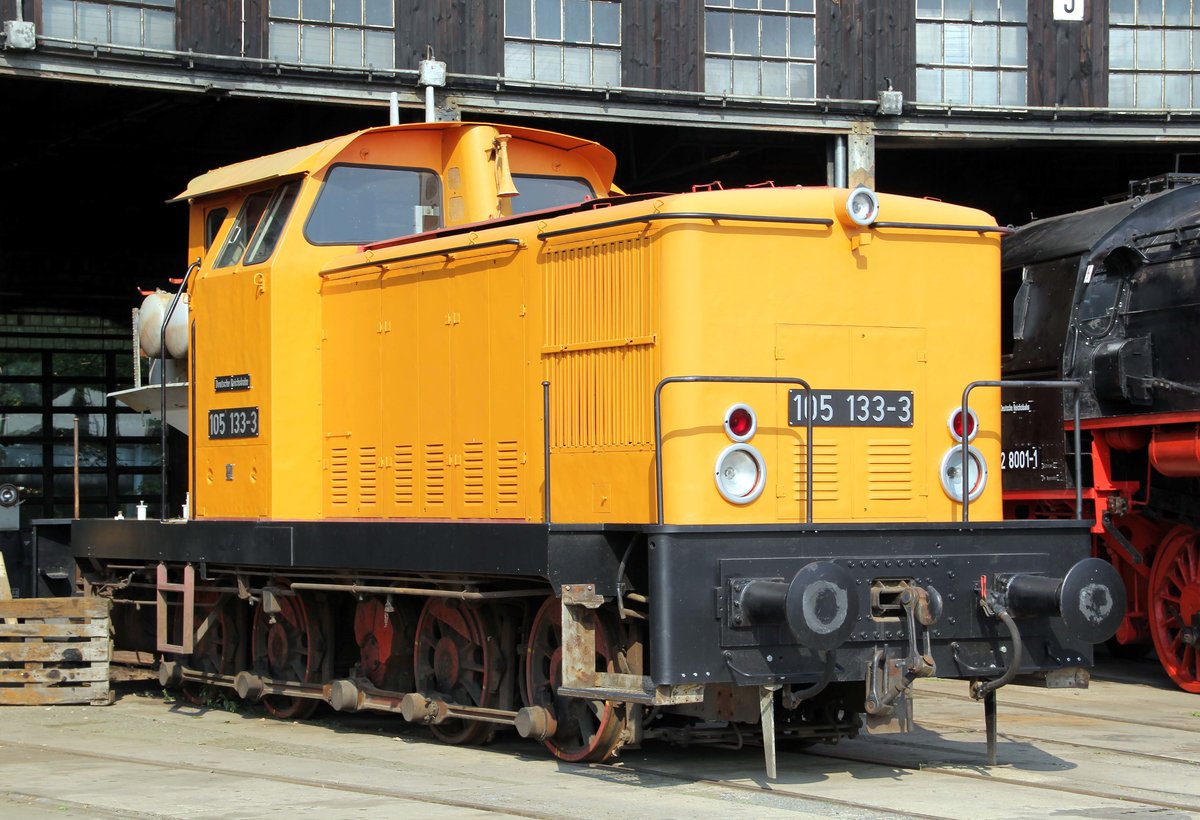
[
  {"x": 942, "y": 226},
  {"x": 447, "y": 252},
  {"x": 808, "y": 425},
  {"x": 1073, "y": 386},
  {"x": 715, "y": 217},
  {"x": 162, "y": 379}
]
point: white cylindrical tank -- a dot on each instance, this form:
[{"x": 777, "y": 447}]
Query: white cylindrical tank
[
  {"x": 150, "y": 318},
  {"x": 177, "y": 330}
]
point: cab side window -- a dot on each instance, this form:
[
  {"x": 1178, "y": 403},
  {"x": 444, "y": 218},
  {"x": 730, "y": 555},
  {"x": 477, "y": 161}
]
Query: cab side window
[
  {"x": 537, "y": 193},
  {"x": 212, "y": 225},
  {"x": 239, "y": 235},
  {"x": 263, "y": 243}
]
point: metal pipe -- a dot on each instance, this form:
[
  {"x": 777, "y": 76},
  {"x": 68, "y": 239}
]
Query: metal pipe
[
  {"x": 462, "y": 595},
  {"x": 546, "y": 453},
  {"x": 430, "y": 115},
  {"x": 982, "y": 689},
  {"x": 839, "y": 161},
  {"x": 394, "y": 108},
  {"x": 808, "y": 426},
  {"x": 75, "y": 465},
  {"x": 162, "y": 383},
  {"x": 1029, "y": 383}
]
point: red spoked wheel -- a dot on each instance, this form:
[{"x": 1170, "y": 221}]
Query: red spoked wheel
[
  {"x": 453, "y": 661},
  {"x": 216, "y": 651},
  {"x": 1175, "y": 607},
  {"x": 385, "y": 642},
  {"x": 587, "y": 730},
  {"x": 290, "y": 646}
]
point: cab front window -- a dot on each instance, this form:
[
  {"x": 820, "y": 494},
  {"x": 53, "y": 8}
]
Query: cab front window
[{"x": 361, "y": 204}]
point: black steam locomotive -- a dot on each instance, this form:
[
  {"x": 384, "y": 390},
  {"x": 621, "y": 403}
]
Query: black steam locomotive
[{"x": 1110, "y": 298}]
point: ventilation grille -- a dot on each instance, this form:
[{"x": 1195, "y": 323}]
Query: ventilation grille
[
  {"x": 889, "y": 470},
  {"x": 435, "y": 476},
  {"x": 473, "y": 471},
  {"x": 368, "y": 477},
  {"x": 403, "y": 476},
  {"x": 508, "y": 476},
  {"x": 339, "y": 477},
  {"x": 599, "y": 344},
  {"x": 826, "y": 484}
]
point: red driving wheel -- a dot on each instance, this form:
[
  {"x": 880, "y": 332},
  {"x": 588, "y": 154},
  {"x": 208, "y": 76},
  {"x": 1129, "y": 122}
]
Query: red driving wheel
[
  {"x": 454, "y": 661},
  {"x": 1175, "y": 607},
  {"x": 586, "y": 730},
  {"x": 290, "y": 646}
]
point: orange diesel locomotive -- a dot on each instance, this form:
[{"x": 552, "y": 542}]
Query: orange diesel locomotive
[{"x": 477, "y": 438}]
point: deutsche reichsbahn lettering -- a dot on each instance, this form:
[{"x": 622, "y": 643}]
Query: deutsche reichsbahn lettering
[{"x": 223, "y": 384}]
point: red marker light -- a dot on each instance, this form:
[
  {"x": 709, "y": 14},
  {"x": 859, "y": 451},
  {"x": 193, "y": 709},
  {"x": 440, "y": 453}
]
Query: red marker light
[
  {"x": 741, "y": 422},
  {"x": 956, "y": 425}
]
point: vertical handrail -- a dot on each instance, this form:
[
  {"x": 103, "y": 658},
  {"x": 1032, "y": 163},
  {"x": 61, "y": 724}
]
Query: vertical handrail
[
  {"x": 1073, "y": 386},
  {"x": 162, "y": 384},
  {"x": 808, "y": 426},
  {"x": 546, "y": 448}
]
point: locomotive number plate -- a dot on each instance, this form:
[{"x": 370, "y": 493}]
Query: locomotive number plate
[
  {"x": 236, "y": 422},
  {"x": 851, "y": 408}
]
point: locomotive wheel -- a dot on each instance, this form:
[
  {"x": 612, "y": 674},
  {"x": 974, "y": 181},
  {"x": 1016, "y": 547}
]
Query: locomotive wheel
[
  {"x": 217, "y": 651},
  {"x": 453, "y": 660},
  {"x": 1175, "y": 607},
  {"x": 291, "y": 648},
  {"x": 587, "y": 730},
  {"x": 385, "y": 643}
]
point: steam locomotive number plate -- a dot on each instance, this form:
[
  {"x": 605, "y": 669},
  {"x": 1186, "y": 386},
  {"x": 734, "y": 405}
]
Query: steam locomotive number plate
[
  {"x": 236, "y": 422},
  {"x": 851, "y": 408}
]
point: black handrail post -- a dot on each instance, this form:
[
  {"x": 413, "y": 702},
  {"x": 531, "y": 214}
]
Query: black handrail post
[
  {"x": 162, "y": 384},
  {"x": 808, "y": 467},
  {"x": 546, "y": 448},
  {"x": 1074, "y": 386}
]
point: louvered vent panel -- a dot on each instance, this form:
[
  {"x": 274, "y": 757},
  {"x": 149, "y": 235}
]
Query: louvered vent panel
[
  {"x": 826, "y": 484},
  {"x": 339, "y": 476},
  {"x": 403, "y": 475},
  {"x": 599, "y": 343},
  {"x": 435, "y": 476},
  {"x": 508, "y": 475},
  {"x": 889, "y": 470},
  {"x": 473, "y": 471},
  {"x": 368, "y": 476}
]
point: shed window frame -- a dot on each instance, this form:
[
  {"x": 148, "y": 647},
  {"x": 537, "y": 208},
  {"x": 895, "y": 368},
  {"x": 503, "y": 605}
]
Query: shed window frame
[
  {"x": 324, "y": 33},
  {"x": 153, "y": 18},
  {"x": 972, "y": 52},
  {"x": 1154, "y": 54},
  {"x": 761, "y": 48},
  {"x": 545, "y": 42}
]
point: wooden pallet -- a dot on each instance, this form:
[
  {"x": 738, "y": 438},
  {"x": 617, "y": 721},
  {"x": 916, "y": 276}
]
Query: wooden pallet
[{"x": 55, "y": 650}]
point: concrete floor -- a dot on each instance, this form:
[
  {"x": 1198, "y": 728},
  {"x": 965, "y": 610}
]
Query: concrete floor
[{"x": 1127, "y": 747}]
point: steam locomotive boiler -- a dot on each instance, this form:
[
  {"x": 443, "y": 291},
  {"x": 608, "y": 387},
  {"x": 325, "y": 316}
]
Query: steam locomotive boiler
[
  {"x": 1110, "y": 298},
  {"x": 478, "y": 439}
]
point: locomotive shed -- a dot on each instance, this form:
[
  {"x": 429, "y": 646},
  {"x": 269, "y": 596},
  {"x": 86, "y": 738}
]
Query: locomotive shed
[
  {"x": 1068, "y": 754},
  {"x": 113, "y": 106}
]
